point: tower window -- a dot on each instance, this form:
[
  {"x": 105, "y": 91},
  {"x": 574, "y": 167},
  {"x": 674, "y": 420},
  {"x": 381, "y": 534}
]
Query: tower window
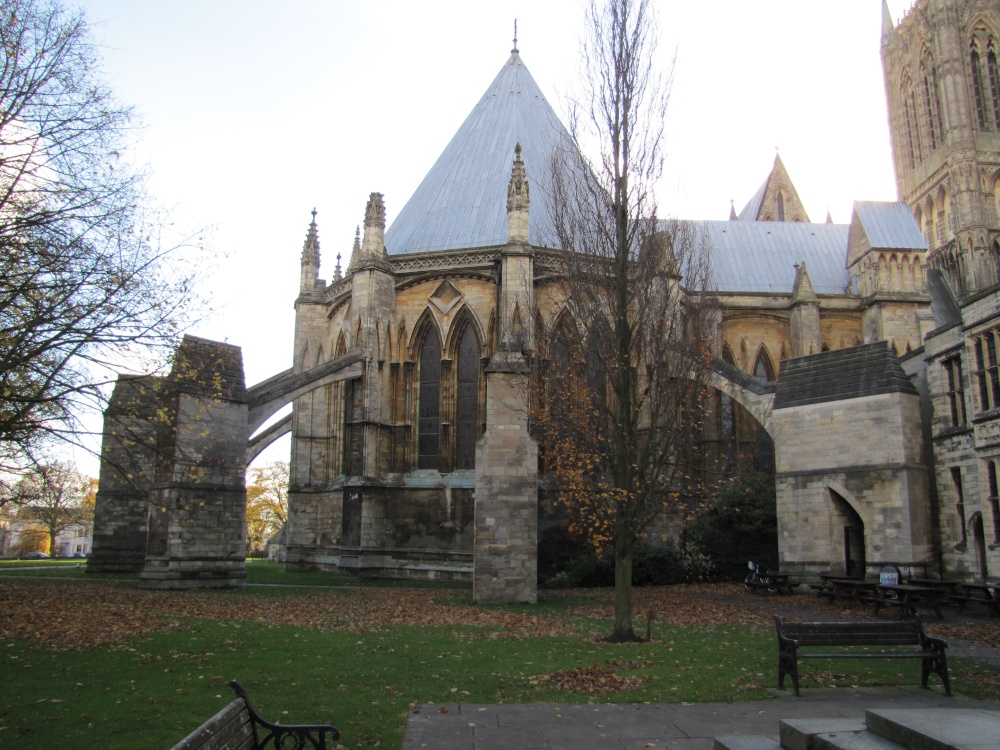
[
  {"x": 930, "y": 112},
  {"x": 937, "y": 104},
  {"x": 991, "y": 67},
  {"x": 781, "y": 206},
  {"x": 977, "y": 89}
]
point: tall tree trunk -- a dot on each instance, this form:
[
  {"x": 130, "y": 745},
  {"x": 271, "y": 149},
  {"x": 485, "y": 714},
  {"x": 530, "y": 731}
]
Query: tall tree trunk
[{"x": 622, "y": 630}]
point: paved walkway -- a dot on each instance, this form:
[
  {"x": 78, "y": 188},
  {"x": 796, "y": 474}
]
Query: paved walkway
[{"x": 665, "y": 726}]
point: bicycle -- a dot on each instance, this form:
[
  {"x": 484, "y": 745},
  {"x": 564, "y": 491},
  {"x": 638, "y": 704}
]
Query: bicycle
[{"x": 758, "y": 577}]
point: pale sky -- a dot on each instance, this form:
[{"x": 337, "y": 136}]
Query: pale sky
[{"x": 256, "y": 112}]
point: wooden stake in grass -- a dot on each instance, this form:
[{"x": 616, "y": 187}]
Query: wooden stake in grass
[{"x": 649, "y": 625}]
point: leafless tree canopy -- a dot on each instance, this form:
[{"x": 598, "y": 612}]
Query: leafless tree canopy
[
  {"x": 85, "y": 282},
  {"x": 633, "y": 285}
]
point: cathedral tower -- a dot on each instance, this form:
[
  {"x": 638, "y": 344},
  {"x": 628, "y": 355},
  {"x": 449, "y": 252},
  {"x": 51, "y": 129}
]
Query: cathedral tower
[{"x": 943, "y": 89}]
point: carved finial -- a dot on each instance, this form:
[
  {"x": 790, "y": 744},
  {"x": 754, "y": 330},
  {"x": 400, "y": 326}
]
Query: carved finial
[
  {"x": 310, "y": 257},
  {"x": 518, "y": 200},
  {"x": 375, "y": 212},
  {"x": 357, "y": 238},
  {"x": 514, "y": 51},
  {"x": 339, "y": 272}
]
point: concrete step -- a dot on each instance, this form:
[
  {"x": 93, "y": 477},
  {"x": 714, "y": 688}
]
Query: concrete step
[
  {"x": 938, "y": 728},
  {"x": 745, "y": 742},
  {"x": 853, "y": 741},
  {"x": 798, "y": 734}
]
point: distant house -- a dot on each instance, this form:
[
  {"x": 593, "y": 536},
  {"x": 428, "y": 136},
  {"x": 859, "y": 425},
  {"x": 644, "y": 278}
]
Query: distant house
[{"x": 76, "y": 538}]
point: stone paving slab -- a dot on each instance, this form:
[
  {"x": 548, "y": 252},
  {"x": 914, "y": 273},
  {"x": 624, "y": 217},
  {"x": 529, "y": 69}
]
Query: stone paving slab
[{"x": 649, "y": 726}]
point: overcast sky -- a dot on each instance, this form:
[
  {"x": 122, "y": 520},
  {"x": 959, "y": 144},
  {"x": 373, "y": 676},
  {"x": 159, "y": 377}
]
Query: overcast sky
[{"x": 256, "y": 112}]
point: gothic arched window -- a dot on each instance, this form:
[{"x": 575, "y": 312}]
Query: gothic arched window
[
  {"x": 781, "y": 206},
  {"x": 429, "y": 422},
  {"x": 763, "y": 368},
  {"x": 930, "y": 102},
  {"x": 467, "y": 400}
]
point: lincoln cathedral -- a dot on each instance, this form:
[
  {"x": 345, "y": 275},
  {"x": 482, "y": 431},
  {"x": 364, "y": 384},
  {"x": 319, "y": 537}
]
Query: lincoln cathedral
[{"x": 857, "y": 362}]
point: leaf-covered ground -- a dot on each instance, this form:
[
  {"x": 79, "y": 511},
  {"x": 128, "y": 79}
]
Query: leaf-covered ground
[
  {"x": 103, "y": 614},
  {"x": 71, "y": 615}
]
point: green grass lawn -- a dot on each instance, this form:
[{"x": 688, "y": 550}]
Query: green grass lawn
[{"x": 155, "y": 689}]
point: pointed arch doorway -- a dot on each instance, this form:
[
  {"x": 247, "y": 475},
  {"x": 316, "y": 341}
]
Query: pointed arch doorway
[{"x": 853, "y": 536}]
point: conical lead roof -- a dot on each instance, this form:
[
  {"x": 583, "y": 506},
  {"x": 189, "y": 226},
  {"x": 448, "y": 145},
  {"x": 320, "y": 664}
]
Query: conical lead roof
[{"x": 462, "y": 202}]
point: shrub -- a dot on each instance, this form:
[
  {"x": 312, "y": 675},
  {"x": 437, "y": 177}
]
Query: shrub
[{"x": 741, "y": 525}]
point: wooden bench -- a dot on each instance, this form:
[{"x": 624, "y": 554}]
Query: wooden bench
[
  {"x": 798, "y": 635},
  {"x": 239, "y": 727}
]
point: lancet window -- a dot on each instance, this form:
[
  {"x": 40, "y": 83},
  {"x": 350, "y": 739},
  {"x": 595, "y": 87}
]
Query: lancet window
[
  {"x": 467, "y": 399},
  {"x": 429, "y": 418},
  {"x": 932, "y": 107},
  {"x": 909, "y": 124},
  {"x": 978, "y": 91},
  {"x": 994, "y": 76}
]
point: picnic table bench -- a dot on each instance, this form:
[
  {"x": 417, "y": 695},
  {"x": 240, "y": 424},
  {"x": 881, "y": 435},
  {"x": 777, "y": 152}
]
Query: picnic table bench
[
  {"x": 239, "y": 727},
  {"x": 792, "y": 637}
]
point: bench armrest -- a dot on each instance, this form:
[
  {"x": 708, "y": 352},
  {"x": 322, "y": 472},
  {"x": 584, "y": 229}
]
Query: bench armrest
[{"x": 308, "y": 735}]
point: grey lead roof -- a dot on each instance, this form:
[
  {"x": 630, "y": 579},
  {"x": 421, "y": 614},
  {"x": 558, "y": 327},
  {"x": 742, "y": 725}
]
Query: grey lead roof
[
  {"x": 760, "y": 256},
  {"x": 889, "y": 225},
  {"x": 856, "y": 372},
  {"x": 462, "y": 202},
  {"x": 752, "y": 208}
]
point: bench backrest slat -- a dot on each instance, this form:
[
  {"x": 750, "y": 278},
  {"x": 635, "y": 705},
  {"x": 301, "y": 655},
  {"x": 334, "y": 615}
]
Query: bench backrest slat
[
  {"x": 900, "y": 633},
  {"x": 229, "y": 729}
]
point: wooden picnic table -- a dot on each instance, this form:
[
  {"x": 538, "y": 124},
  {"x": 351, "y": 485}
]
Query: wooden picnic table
[
  {"x": 907, "y": 597},
  {"x": 977, "y": 593}
]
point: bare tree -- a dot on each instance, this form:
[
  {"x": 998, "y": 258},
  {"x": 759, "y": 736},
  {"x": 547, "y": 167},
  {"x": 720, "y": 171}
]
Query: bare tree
[
  {"x": 619, "y": 443},
  {"x": 55, "y": 499},
  {"x": 87, "y": 282}
]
